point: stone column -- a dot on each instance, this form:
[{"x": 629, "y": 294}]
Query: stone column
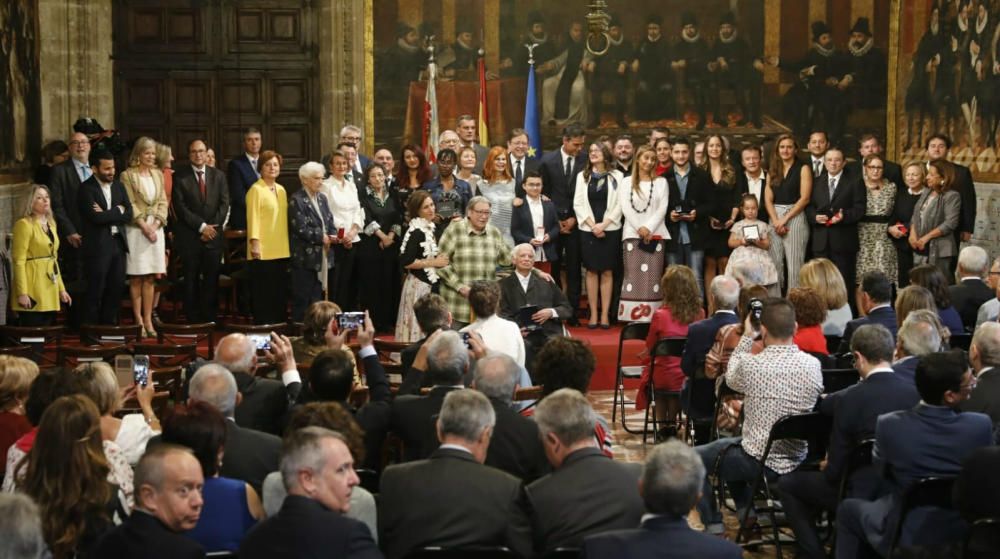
[{"x": 344, "y": 75}]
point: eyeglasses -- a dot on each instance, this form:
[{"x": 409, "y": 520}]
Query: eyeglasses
[
  {"x": 480, "y": 212},
  {"x": 875, "y": 167}
]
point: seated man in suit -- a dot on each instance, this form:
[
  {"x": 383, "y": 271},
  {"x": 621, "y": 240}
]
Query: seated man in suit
[
  {"x": 977, "y": 489},
  {"x": 723, "y": 296},
  {"x": 971, "y": 291},
  {"x": 989, "y": 310},
  {"x": 451, "y": 499},
  {"x": 917, "y": 337},
  {"x": 525, "y": 288},
  {"x": 168, "y": 502},
  {"x": 318, "y": 473},
  {"x": 263, "y": 401},
  {"x": 875, "y": 303},
  {"x": 984, "y": 354},
  {"x": 670, "y": 485},
  {"x": 412, "y": 416},
  {"x": 250, "y": 455},
  {"x": 804, "y": 494},
  {"x": 588, "y": 492},
  {"x": 515, "y": 447},
  {"x": 930, "y": 440}
]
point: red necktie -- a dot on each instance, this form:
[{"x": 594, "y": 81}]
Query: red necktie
[{"x": 201, "y": 183}]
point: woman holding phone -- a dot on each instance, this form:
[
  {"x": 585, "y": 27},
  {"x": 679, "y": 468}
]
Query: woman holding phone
[{"x": 38, "y": 285}]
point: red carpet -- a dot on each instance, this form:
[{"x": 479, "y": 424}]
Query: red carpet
[{"x": 604, "y": 343}]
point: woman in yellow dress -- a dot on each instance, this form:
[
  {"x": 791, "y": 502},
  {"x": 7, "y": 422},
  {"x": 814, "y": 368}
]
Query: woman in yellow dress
[
  {"x": 38, "y": 285},
  {"x": 267, "y": 243}
]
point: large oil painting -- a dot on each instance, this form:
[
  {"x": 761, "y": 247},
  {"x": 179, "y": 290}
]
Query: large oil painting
[{"x": 19, "y": 96}]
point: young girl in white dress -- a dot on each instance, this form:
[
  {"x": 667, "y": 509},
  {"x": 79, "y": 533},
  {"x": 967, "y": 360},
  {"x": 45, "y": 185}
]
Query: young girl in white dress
[{"x": 752, "y": 252}]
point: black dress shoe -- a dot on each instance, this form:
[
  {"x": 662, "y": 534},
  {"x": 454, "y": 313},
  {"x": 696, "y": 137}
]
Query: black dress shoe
[{"x": 574, "y": 321}]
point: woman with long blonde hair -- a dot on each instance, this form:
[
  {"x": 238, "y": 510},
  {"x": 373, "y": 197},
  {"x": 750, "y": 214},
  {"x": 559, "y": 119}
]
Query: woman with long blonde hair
[{"x": 37, "y": 282}]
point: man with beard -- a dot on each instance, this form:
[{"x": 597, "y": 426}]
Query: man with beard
[
  {"x": 609, "y": 71},
  {"x": 654, "y": 99},
  {"x": 735, "y": 68},
  {"x": 817, "y": 100},
  {"x": 868, "y": 67},
  {"x": 564, "y": 88},
  {"x": 691, "y": 56},
  {"x": 463, "y": 53},
  {"x": 405, "y": 59},
  {"x": 517, "y": 64}
]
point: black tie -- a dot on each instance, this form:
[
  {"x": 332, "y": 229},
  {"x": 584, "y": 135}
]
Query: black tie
[
  {"x": 569, "y": 168},
  {"x": 517, "y": 173}
]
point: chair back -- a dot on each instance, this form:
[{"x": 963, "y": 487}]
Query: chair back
[
  {"x": 859, "y": 456},
  {"x": 484, "y": 552},
  {"x": 669, "y": 347},
  {"x": 812, "y": 427},
  {"x": 631, "y": 331},
  {"x": 825, "y": 361},
  {"x": 184, "y": 334},
  {"x": 107, "y": 334},
  {"x": 562, "y": 553},
  {"x": 389, "y": 350},
  {"x": 169, "y": 380},
  {"x": 44, "y": 341},
  {"x": 279, "y": 328},
  {"x": 983, "y": 539},
  {"x": 167, "y": 355},
  {"x": 832, "y": 343},
  {"x": 71, "y": 356},
  {"x": 24, "y": 351},
  {"x": 369, "y": 479},
  {"x": 960, "y": 341},
  {"x": 235, "y": 253},
  {"x": 839, "y": 379},
  {"x": 927, "y": 492}
]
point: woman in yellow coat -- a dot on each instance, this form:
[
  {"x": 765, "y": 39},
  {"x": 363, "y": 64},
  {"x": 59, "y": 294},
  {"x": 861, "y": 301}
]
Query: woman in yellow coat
[
  {"x": 38, "y": 285},
  {"x": 267, "y": 243}
]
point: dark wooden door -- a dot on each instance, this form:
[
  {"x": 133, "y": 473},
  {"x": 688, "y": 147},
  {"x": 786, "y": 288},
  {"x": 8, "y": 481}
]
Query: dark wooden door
[{"x": 186, "y": 69}]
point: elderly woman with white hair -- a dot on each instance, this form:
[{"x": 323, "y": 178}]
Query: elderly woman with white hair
[{"x": 311, "y": 229}]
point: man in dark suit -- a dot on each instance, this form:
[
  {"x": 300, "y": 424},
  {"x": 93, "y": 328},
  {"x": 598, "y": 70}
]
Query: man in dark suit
[
  {"x": 937, "y": 149},
  {"x": 412, "y": 417},
  {"x": 670, "y": 485},
  {"x": 869, "y": 145},
  {"x": 522, "y": 223},
  {"x": 522, "y": 158},
  {"x": 835, "y": 208},
  {"x": 588, "y": 492},
  {"x": 971, "y": 291},
  {"x": 804, "y": 494},
  {"x": 690, "y": 203},
  {"x": 875, "y": 303},
  {"x": 984, "y": 354},
  {"x": 318, "y": 473},
  {"x": 200, "y": 202},
  {"x": 930, "y": 440},
  {"x": 105, "y": 209},
  {"x": 524, "y": 288},
  {"x": 515, "y": 447},
  {"x": 264, "y": 402},
  {"x": 168, "y": 502},
  {"x": 559, "y": 169},
  {"x": 753, "y": 178},
  {"x": 723, "y": 296},
  {"x": 250, "y": 455},
  {"x": 451, "y": 499},
  {"x": 918, "y": 336},
  {"x": 65, "y": 187},
  {"x": 242, "y": 172}
]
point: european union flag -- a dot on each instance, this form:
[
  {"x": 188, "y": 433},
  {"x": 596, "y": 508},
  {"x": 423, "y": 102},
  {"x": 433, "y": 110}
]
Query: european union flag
[{"x": 531, "y": 117}]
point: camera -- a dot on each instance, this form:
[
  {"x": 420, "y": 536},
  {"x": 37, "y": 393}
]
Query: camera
[
  {"x": 140, "y": 370},
  {"x": 350, "y": 321},
  {"x": 754, "y": 309},
  {"x": 465, "y": 340},
  {"x": 261, "y": 341}
]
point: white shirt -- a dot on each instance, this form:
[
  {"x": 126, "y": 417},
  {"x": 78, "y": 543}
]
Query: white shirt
[
  {"x": 613, "y": 211},
  {"x": 524, "y": 165},
  {"x": 562, "y": 160},
  {"x": 756, "y": 187},
  {"x": 639, "y": 211},
  {"x": 342, "y": 196},
  {"x": 537, "y": 221},
  {"x": 106, "y": 191},
  {"x": 500, "y": 334}
]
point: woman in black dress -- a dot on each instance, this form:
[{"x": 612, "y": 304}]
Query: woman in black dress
[
  {"x": 786, "y": 195},
  {"x": 902, "y": 216},
  {"x": 379, "y": 253},
  {"x": 725, "y": 199}
]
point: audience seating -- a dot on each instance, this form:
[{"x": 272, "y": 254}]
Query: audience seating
[
  {"x": 104, "y": 334},
  {"x": 983, "y": 539},
  {"x": 664, "y": 347},
  {"x": 839, "y": 379},
  {"x": 369, "y": 479},
  {"x": 388, "y": 350},
  {"x": 562, "y": 553},
  {"x": 961, "y": 341},
  {"x": 18, "y": 350},
  {"x": 44, "y": 341},
  {"x": 278, "y": 328},
  {"x": 832, "y": 343},
  {"x": 71, "y": 356},
  {"x": 724, "y": 390},
  {"x": 631, "y": 331},
  {"x": 927, "y": 492},
  {"x": 859, "y": 457},
  {"x": 167, "y": 355},
  {"x": 170, "y": 380},
  {"x": 161, "y": 405},
  {"x": 294, "y": 329},
  {"x": 183, "y": 334},
  {"x": 498, "y": 552},
  {"x": 234, "y": 258}
]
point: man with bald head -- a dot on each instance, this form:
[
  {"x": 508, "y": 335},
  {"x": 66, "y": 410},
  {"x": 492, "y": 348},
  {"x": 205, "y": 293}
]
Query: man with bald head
[
  {"x": 525, "y": 290},
  {"x": 265, "y": 402}
]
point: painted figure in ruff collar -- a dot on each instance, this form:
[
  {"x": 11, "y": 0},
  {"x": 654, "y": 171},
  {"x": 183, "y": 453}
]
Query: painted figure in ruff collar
[
  {"x": 734, "y": 66},
  {"x": 817, "y": 100},
  {"x": 691, "y": 55},
  {"x": 654, "y": 91},
  {"x": 611, "y": 72},
  {"x": 868, "y": 67}
]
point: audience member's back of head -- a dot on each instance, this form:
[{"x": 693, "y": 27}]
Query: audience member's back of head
[
  {"x": 940, "y": 372},
  {"x": 484, "y": 298},
  {"x": 16, "y": 376},
  {"x": 725, "y": 292},
  {"x": 810, "y": 309},
  {"x": 823, "y": 276},
  {"x": 316, "y": 320},
  {"x": 302, "y": 450},
  {"x": 431, "y": 312},
  {"x": 21, "y": 531},
  {"x": 216, "y": 386},
  {"x": 973, "y": 261},
  {"x": 748, "y": 292},
  {"x": 921, "y": 333},
  {"x": 567, "y": 415},
  {"x": 876, "y": 285},
  {"x": 47, "y": 388},
  {"x": 100, "y": 385},
  {"x": 778, "y": 317},
  {"x": 331, "y": 376},
  {"x": 200, "y": 427},
  {"x": 672, "y": 479},
  {"x": 986, "y": 340},
  {"x": 496, "y": 376},
  {"x": 236, "y": 352},
  {"x": 464, "y": 415},
  {"x": 333, "y": 416},
  {"x": 874, "y": 343},
  {"x": 564, "y": 363},
  {"x": 932, "y": 278},
  {"x": 912, "y": 298},
  {"x": 447, "y": 359}
]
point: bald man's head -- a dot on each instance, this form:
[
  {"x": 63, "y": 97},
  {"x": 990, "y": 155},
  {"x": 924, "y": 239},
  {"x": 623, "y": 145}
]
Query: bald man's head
[{"x": 237, "y": 353}]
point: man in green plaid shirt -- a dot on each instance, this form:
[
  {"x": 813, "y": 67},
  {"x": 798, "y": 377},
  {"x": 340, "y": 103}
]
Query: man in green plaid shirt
[{"x": 476, "y": 250}]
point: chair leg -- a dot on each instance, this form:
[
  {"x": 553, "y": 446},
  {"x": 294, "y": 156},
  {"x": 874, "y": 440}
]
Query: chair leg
[
  {"x": 619, "y": 387},
  {"x": 771, "y": 513},
  {"x": 746, "y": 512}
]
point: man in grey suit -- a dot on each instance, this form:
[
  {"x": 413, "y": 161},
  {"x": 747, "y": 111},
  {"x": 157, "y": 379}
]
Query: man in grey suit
[
  {"x": 588, "y": 492},
  {"x": 468, "y": 133},
  {"x": 64, "y": 186},
  {"x": 201, "y": 204}
]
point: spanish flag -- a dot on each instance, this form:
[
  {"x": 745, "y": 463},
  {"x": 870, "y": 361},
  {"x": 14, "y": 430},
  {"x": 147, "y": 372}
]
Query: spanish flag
[{"x": 484, "y": 116}]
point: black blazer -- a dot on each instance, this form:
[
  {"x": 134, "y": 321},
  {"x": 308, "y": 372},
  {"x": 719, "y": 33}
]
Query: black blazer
[
  {"x": 305, "y": 528},
  {"x": 886, "y": 316},
  {"x": 967, "y": 190},
  {"x": 373, "y": 416},
  {"x": 555, "y": 185},
  {"x": 96, "y": 226},
  {"x": 65, "y": 187},
  {"x": 906, "y": 369},
  {"x": 663, "y": 537},
  {"x": 306, "y": 230},
  {"x": 541, "y": 293},
  {"x": 743, "y": 185},
  {"x": 241, "y": 176},
  {"x": 265, "y": 402},
  {"x": 985, "y": 397},
  {"x": 414, "y": 420},
  {"x": 850, "y": 197},
  {"x": 967, "y": 296},
  {"x": 143, "y": 535},
  {"x": 522, "y": 228},
  {"x": 449, "y": 500},
  {"x": 250, "y": 455},
  {"x": 516, "y": 447},
  {"x": 588, "y": 494},
  {"x": 699, "y": 197},
  {"x": 530, "y": 164},
  {"x": 192, "y": 210},
  {"x": 701, "y": 336}
]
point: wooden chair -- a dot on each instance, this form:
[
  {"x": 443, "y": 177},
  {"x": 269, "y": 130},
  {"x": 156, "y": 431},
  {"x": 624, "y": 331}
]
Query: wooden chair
[
  {"x": 170, "y": 380},
  {"x": 234, "y": 259},
  {"x": 389, "y": 350},
  {"x": 71, "y": 356},
  {"x": 44, "y": 341},
  {"x": 184, "y": 334},
  {"x": 17, "y": 351},
  {"x": 278, "y": 328},
  {"x": 161, "y": 356},
  {"x": 528, "y": 393},
  {"x": 104, "y": 334},
  {"x": 161, "y": 405}
]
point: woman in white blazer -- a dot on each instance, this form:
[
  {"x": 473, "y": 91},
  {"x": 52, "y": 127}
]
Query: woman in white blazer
[{"x": 599, "y": 217}]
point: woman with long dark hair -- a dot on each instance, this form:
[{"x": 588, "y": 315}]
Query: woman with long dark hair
[
  {"x": 413, "y": 172},
  {"x": 786, "y": 195},
  {"x": 725, "y": 199}
]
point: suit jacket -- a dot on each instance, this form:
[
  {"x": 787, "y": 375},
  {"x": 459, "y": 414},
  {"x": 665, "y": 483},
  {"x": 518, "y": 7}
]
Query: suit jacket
[
  {"x": 743, "y": 185},
  {"x": 96, "y": 226},
  {"x": 556, "y": 185},
  {"x": 374, "y": 415},
  {"x": 947, "y": 218},
  {"x": 985, "y": 397},
  {"x": 191, "y": 210},
  {"x": 522, "y": 228},
  {"x": 660, "y": 537},
  {"x": 143, "y": 535},
  {"x": 529, "y": 164},
  {"x": 516, "y": 447},
  {"x": 886, "y": 316},
  {"x": 414, "y": 420},
  {"x": 967, "y": 191},
  {"x": 144, "y": 207},
  {"x": 241, "y": 176},
  {"x": 850, "y": 198},
  {"x": 588, "y": 494},
  {"x": 65, "y": 187},
  {"x": 306, "y": 229},
  {"x": 699, "y": 197},
  {"x": 449, "y": 500},
  {"x": 265, "y": 402},
  {"x": 250, "y": 455},
  {"x": 481, "y": 153},
  {"x": 305, "y": 528},
  {"x": 855, "y": 411},
  {"x": 701, "y": 336},
  {"x": 906, "y": 369},
  {"x": 967, "y": 296},
  {"x": 541, "y": 293}
]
